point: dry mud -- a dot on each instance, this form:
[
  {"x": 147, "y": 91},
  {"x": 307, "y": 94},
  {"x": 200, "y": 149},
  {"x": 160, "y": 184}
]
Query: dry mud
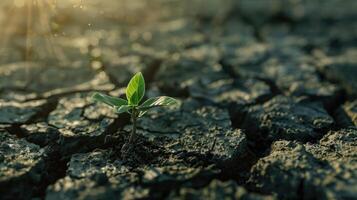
[{"x": 268, "y": 109}]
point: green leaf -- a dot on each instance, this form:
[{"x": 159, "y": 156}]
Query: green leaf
[
  {"x": 136, "y": 89},
  {"x": 157, "y": 101},
  {"x": 123, "y": 109},
  {"x": 142, "y": 113},
  {"x": 109, "y": 100}
]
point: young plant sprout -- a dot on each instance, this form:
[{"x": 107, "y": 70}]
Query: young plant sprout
[{"x": 135, "y": 92}]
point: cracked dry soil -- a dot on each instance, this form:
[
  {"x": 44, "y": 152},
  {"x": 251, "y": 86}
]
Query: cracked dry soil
[{"x": 268, "y": 109}]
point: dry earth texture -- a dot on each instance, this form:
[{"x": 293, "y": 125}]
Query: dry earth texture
[{"x": 268, "y": 102}]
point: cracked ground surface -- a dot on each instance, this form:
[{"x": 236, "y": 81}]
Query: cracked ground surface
[{"x": 267, "y": 107}]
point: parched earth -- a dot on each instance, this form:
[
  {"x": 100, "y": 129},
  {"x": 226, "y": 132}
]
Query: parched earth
[{"x": 267, "y": 109}]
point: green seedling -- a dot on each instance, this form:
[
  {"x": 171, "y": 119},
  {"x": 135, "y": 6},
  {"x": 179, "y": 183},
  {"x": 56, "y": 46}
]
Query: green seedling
[{"x": 135, "y": 92}]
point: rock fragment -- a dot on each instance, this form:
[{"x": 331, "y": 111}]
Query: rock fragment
[
  {"x": 21, "y": 167},
  {"x": 82, "y": 124},
  {"x": 287, "y": 118},
  {"x": 197, "y": 129},
  {"x": 18, "y": 113},
  {"x": 218, "y": 190},
  {"x": 310, "y": 171},
  {"x": 40, "y": 133},
  {"x": 347, "y": 114},
  {"x": 93, "y": 175}
]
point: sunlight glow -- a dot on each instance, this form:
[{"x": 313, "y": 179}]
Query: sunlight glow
[
  {"x": 28, "y": 32},
  {"x": 19, "y": 3},
  {"x": 29, "y": 20}
]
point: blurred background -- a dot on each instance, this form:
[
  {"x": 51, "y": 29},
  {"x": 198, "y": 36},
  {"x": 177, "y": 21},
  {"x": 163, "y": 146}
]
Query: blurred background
[{"x": 51, "y": 44}]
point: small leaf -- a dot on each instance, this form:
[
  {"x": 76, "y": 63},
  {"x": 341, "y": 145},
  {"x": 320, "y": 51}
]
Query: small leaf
[
  {"x": 109, "y": 100},
  {"x": 157, "y": 101},
  {"x": 123, "y": 109},
  {"x": 136, "y": 89},
  {"x": 142, "y": 113}
]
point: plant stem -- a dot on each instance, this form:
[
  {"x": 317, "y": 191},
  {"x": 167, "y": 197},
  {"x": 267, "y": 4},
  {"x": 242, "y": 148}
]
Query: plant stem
[{"x": 133, "y": 131}]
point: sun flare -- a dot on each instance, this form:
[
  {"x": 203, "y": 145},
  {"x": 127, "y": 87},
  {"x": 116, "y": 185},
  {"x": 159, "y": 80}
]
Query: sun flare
[{"x": 26, "y": 23}]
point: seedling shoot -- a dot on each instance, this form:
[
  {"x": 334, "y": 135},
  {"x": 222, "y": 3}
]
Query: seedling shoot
[{"x": 135, "y": 92}]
